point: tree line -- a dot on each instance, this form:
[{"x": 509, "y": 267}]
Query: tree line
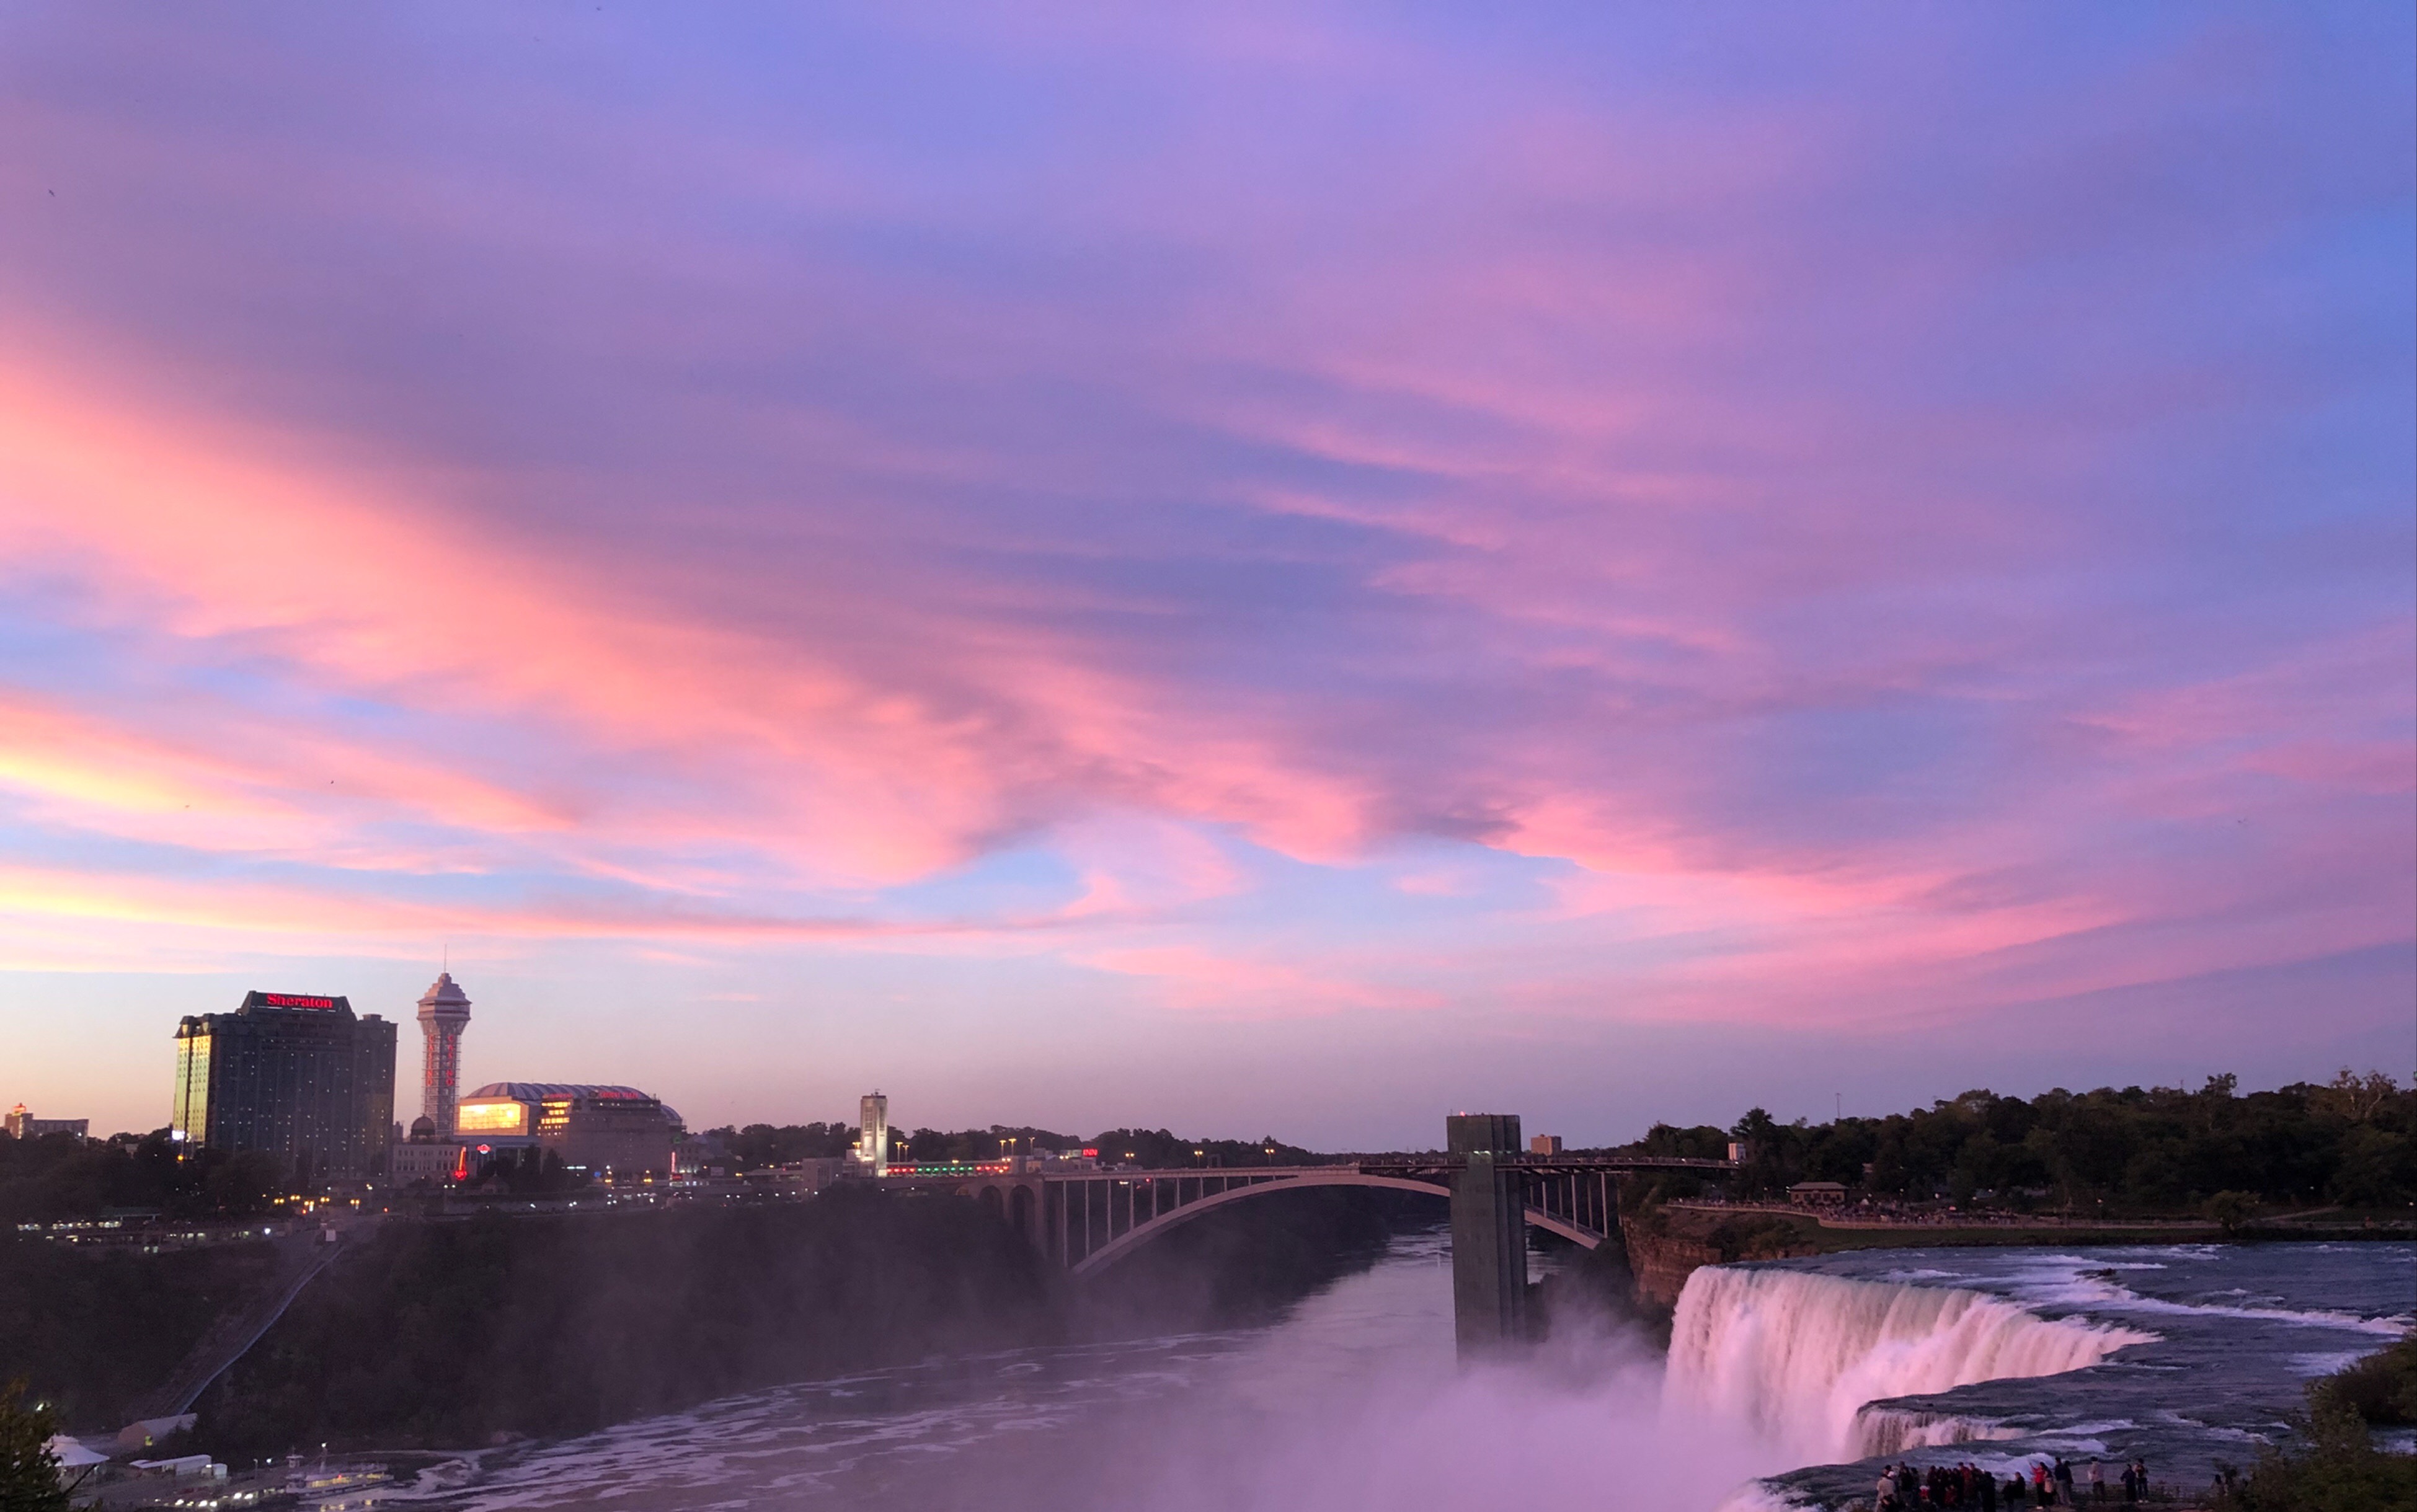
[
  {"x": 2346, "y": 1142},
  {"x": 2351, "y": 1141},
  {"x": 60, "y": 1176}
]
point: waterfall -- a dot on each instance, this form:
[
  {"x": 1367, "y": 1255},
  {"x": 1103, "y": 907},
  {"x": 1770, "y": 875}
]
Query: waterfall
[
  {"x": 1799, "y": 1355},
  {"x": 1886, "y": 1431}
]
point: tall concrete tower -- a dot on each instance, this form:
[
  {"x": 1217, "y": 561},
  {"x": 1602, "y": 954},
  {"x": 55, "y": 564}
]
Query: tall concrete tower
[
  {"x": 444, "y": 1013},
  {"x": 873, "y": 1141}
]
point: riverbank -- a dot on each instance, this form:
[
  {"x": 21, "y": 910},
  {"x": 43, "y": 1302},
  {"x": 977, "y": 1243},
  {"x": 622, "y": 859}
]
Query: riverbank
[{"x": 1667, "y": 1243}]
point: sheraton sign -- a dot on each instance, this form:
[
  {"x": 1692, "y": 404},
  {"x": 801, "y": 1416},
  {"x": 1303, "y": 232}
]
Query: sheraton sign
[{"x": 317, "y": 1002}]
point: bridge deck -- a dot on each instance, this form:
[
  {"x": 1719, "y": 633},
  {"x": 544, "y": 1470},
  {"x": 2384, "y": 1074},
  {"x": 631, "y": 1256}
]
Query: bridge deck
[
  {"x": 1440, "y": 1166},
  {"x": 1084, "y": 1219}
]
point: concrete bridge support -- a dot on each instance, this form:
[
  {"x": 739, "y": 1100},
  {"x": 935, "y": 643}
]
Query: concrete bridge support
[
  {"x": 1087, "y": 1220},
  {"x": 1489, "y": 1233}
]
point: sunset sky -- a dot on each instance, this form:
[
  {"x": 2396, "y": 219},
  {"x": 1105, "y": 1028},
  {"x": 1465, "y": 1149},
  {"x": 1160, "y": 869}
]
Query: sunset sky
[{"x": 1281, "y": 568}]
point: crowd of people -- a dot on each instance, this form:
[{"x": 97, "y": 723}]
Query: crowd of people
[{"x": 1904, "y": 1488}]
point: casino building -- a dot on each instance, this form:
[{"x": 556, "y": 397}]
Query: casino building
[
  {"x": 292, "y": 1074},
  {"x": 618, "y": 1133}
]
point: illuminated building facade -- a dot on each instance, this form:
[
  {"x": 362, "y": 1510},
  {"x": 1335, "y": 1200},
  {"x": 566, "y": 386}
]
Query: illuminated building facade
[
  {"x": 873, "y": 1141},
  {"x": 444, "y": 1013},
  {"x": 24, "y": 1125},
  {"x": 292, "y": 1074},
  {"x": 423, "y": 1158},
  {"x": 432, "y": 1165},
  {"x": 618, "y": 1132}
]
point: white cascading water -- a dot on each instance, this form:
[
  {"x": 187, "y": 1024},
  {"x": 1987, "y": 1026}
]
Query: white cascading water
[
  {"x": 1882, "y": 1432},
  {"x": 1799, "y": 1355}
]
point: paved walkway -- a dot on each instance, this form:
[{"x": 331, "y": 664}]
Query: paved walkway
[{"x": 300, "y": 1256}]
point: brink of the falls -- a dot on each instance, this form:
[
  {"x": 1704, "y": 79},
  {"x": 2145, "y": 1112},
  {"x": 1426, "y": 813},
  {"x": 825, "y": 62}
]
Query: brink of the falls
[{"x": 1799, "y": 1355}]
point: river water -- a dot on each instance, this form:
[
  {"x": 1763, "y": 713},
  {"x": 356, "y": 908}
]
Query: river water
[{"x": 1354, "y": 1400}]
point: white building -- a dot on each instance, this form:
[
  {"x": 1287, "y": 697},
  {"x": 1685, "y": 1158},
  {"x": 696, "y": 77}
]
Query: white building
[{"x": 872, "y": 1142}]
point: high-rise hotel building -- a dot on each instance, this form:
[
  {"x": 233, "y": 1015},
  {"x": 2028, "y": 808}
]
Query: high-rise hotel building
[{"x": 292, "y": 1074}]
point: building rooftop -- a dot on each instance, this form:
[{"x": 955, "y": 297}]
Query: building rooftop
[
  {"x": 311, "y": 1002},
  {"x": 540, "y": 1091}
]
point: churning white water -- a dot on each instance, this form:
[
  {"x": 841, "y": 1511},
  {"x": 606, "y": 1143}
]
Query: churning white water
[
  {"x": 1354, "y": 1402},
  {"x": 1797, "y": 1355}
]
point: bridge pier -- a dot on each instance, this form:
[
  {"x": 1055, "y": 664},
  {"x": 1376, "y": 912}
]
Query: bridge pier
[
  {"x": 1497, "y": 1192},
  {"x": 1489, "y": 1233}
]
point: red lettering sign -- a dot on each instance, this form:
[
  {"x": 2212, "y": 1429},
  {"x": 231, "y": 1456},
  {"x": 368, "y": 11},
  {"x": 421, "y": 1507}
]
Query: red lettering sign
[{"x": 288, "y": 1000}]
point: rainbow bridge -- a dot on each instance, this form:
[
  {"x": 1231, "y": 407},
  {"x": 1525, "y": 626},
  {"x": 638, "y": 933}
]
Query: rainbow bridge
[{"x": 1085, "y": 1220}]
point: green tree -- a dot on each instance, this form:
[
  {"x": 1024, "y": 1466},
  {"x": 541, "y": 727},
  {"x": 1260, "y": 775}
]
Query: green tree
[
  {"x": 2153, "y": 1179},
  {"x": 242, "y": 1184},
  {"x": 2368, "y": 1172},
  {"x": 1961, "y": 1185},
  {"x": 2336, "y": 1467},
  {"x": 2382, "y": 1388},
  {"x": 2232, "y": 1209},
  {"x": 2357, "y": 1098},
  {"x": 29, "y": 1473}
]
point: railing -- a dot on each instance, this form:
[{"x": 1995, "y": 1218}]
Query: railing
[
  {"x": 1842, "y": 1215},
  {"x": 1084, "y": 1218}
]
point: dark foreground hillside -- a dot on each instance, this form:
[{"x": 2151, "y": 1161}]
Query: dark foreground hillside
[
  {"x": 448, "y": 1334},
  {"x": 91, "y": 1332}
]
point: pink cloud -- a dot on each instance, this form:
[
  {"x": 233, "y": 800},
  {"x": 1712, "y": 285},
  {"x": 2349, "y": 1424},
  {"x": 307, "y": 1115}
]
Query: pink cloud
[
  {"x": 1199, "y": 981},
  {"x": 1648, "y": 552}
]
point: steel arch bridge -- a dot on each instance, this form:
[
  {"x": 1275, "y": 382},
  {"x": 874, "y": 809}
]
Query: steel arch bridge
[{"x": 1086, "y": 1222}]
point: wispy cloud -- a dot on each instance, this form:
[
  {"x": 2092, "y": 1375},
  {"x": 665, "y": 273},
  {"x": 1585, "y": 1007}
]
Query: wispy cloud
[{"x": 1300, "y": 513}]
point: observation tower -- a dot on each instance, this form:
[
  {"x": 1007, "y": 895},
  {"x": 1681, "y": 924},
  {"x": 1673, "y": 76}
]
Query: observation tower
[{"x": 444, "y": 1013}]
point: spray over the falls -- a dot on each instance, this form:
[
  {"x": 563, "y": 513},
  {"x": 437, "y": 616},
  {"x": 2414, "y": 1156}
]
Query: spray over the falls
[
  {"x": 1778, "y": 1378},
  {"x": 1798, "y": 1356}
]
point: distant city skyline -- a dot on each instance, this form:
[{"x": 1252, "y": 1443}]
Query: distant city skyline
[
  {"x": 1565, "y": 1089},
  {"x": 1277, "y": 570}
]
